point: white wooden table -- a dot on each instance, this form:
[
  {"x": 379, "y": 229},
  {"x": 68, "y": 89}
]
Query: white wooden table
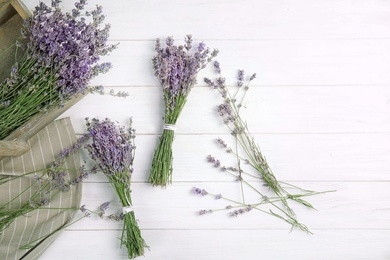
[{"x": 319, "y": 108}]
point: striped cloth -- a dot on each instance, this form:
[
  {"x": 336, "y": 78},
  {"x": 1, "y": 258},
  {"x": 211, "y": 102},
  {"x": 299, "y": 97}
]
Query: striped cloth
[{"x": 44, "y": 148}]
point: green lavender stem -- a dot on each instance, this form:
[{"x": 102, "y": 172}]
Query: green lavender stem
[
  {"x": 161, "y": 170},
  {"x": 131, "y": 234}
]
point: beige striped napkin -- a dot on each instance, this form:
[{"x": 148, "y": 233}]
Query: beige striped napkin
[{"x": 44, "y": 147}]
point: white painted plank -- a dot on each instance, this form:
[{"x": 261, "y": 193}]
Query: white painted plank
[
  {"x": 227, "y": 244},
  {"x": 287, "y": 62},
  {"x": 355, "y": 205},
  {"x": 292, "y": 157},
  {"x": 241, "y": 20},
  {"x": 319, "y": 110},
  {"x": 271, "y": 110}
]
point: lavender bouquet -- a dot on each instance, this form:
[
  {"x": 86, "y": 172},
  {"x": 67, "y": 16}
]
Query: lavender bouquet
[
  {"x": 176, "y": 69},
  {"x": 113, "y": 150},
  {"x": 62, "y": 55}
]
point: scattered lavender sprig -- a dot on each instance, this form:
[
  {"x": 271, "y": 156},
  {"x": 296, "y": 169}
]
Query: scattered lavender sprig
[
  {"x": 267, "y": 205},
  {"x": 176, "y": 69},
  {"x": 48, "y": 183},
  {"x": 86, "y": 213},
  {"x": 229, "y": 111},
  {"x": 63, "y": 51},
  {"x": 113, "y": 150}
]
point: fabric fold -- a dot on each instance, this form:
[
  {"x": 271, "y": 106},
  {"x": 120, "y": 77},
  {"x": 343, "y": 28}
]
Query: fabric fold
[{"x": 45, "y": 146}]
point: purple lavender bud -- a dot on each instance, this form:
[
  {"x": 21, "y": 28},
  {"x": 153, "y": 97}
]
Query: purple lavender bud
[
  {"x": 188, "y": 41},
  {"x": 240, "y": 81},
  {"x": 217, "y": 163},
  {"x": 111, "y": 147},
  {"x": 211, "y": 159},
  {"x": 196, "y": 191},
  {"x": 55, "y": 3},
  {"x": 169, "y": 41},
  {"x": 201, "y": 47},
  {"x": 209, "y": 82},
  {"x": 221, "y": 81},
  {"x": 176, "y": 68},
  {"x": 224, "y": 110},
  {"x": 104, "y": 206},
  {"x": 158, "y": 45},
  {"x": 241, "y": 75},
  {"x": 252, "y": 77},
  {"x": 83, "y": 209},
  {"x": 202, "y": 212},
  {"x": 221, "y": 142},
  {"x": 217, "y": 66},
  {"x": 218, "y": 196}
]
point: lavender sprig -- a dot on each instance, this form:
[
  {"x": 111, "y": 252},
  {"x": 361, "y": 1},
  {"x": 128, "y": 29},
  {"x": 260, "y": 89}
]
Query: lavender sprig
[
  {"x": 49, "y": 182},
  {"x": 251, "y": 155},
  {"x": 62, "y": 56},
  {"x": 86, "y": 213},
  {"x": 176, "y": 69},
  {"x": 113, "y": 149}
]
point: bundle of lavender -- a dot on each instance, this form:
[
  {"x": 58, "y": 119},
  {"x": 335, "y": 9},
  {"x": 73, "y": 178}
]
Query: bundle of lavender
[
  {"x": 176, "y": 69},
  {"x": 48, "y": 184},
  {"x": 113, "y": 150},
  {"x": 62, "y": 55}
]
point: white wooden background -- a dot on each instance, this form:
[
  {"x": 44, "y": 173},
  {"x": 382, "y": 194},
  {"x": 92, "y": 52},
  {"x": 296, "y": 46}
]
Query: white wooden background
[{"x": 320, "y": 110}]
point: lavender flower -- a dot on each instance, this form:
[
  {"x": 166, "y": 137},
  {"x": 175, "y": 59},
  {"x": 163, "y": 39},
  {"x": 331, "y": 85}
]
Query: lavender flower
[
  {"x": 240, "y": 81},
  {"x": 203, "y": 211},
  {"x": 116, "y": 217},
  {"x": 47, "y": 184},
  {"x": 112, "y": 147},
  {"x": 176, "y": 68},
  {"x": 214, "y": 161},
  {"x": 198, "y": 191},
  {"x": 104, "y": 206},
  {"x": 85, "y": 211},
  {"x": 68, "y": 45},
  {"x": 62, "y": 56},
  {"x": 235, "y": 213},
  {"x": 221, "y": 142}
]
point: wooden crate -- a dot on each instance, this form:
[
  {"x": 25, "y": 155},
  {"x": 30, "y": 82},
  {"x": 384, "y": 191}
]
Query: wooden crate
[{"x": 12, "y": 15}]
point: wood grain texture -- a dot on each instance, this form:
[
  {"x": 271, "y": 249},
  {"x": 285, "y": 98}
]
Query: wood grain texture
[
  {"x": 233, "y": 244},
  {"x": 300, "y": 109},
  {"x": 245, "y": 20},
  {"x": 276, "y": 62},
  {"x": 337, "y": 157},
  {"x": 178, "y": 208},
  {"x": 319, "y": 109}
]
